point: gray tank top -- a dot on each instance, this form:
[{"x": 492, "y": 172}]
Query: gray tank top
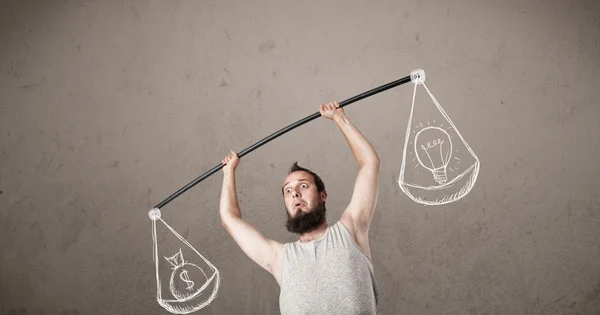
[{"x": 327, "y": 276}]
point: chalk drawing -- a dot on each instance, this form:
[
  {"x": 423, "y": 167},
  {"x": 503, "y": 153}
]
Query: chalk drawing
[
  {"x": 190, "y": 286},
  {"x": 438, "y": 166}
]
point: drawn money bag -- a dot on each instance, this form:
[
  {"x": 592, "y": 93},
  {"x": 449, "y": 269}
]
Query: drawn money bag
[
  {"x": 181, "y": 284},
  {"x": 438, "y": 166},
  {"x": 192, "y": 286}
]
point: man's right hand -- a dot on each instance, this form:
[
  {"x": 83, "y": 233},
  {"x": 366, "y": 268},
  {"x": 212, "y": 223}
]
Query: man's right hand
[{"x": 231, "y": 162}]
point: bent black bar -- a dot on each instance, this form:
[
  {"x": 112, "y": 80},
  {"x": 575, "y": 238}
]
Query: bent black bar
[{"x": 279, "y": 133}]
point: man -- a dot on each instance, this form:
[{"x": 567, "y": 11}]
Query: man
[{"x": 329, "y": 269}]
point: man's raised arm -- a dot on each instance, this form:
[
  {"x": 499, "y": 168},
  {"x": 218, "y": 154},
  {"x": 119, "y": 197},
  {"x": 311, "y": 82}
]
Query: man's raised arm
[
  {"x": 364, "y": 198},
  {"x": 257, "y": 246}
]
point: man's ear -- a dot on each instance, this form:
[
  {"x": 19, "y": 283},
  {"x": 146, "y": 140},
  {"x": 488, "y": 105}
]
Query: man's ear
[{"x": 324, "y": 195}]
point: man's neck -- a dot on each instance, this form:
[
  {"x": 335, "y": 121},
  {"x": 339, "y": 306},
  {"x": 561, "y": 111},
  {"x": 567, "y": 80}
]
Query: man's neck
[{"x": 315, "y": 234}]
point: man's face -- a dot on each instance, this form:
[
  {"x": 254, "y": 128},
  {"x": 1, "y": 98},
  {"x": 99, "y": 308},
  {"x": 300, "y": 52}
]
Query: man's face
[{"x": 304, "y": 204}]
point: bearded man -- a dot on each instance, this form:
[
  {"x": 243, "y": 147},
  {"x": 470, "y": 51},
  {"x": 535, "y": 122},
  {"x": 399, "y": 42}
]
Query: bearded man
[{"x": 328, "y": 270}]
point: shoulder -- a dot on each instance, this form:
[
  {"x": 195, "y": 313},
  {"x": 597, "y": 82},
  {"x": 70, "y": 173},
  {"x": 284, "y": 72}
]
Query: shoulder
[
  {"x": 359, "y": 234},
  {"x": 352, "y": 226},
  {"x": 277, "y": 261}
]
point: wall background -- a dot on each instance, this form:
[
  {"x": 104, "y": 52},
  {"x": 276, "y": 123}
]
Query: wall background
[{"x": 108, "y": 107}]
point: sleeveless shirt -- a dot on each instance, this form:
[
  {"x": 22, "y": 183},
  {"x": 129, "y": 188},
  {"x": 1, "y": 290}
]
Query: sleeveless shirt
[{"x": 327, "y": 276}]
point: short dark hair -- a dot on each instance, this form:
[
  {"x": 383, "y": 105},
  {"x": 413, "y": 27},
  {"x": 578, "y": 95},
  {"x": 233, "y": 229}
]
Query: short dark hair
[{"x": 318, "y": 181}]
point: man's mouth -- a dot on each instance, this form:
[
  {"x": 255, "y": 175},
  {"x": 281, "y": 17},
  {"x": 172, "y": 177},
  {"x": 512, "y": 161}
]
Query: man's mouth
[{"x": 297, "y": 204}]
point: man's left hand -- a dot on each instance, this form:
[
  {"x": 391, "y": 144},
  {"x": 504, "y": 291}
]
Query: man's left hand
[{"x": 331, "y": 110}]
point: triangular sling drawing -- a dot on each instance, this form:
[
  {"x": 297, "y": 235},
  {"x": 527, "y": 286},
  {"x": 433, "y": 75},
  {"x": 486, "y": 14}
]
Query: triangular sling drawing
[
  {"x": 438, "y": 166},
  {"x": 193, "y": 282}
]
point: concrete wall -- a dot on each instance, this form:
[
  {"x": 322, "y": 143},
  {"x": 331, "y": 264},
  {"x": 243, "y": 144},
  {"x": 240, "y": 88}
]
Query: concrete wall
[{"x": 109, "y": 107}]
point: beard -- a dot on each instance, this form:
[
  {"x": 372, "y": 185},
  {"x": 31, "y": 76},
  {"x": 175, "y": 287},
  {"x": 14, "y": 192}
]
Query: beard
[{"x": 306, "y": 222}]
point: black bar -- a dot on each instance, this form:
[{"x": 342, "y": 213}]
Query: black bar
[{"x": 279, "y": 133}]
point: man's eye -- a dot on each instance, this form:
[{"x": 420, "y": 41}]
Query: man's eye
[{"x": 303, "y": 185}]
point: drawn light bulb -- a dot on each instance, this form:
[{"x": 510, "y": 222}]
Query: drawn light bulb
[{"x": 433, "y": 149}]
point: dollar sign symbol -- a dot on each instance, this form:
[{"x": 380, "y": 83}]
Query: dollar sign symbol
[{"x": 184, "y": 276}]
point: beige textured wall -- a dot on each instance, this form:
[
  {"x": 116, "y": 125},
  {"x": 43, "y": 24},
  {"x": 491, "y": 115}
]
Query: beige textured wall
[{"x": 108, "y": 107}]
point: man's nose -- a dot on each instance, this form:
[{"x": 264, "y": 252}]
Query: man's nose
[{"x": 296, "y": 194}]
